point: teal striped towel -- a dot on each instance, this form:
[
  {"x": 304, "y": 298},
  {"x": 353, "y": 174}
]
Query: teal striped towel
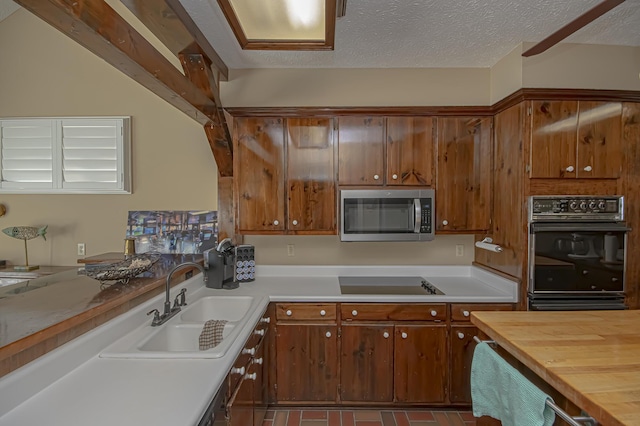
[{"x": 500, "y": 391}]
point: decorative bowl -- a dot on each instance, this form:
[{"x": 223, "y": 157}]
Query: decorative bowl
[{"x": 122, "y": 272}]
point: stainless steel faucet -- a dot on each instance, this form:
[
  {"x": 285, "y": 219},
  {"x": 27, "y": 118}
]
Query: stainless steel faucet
[{"x": 169, "y": 312}]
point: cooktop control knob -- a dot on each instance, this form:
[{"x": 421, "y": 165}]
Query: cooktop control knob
[
  {"x": 573, "y": 205},
  {"x": 583, "y": 205},
  {"x": 593, "y": 205},
  {"x": 601, "y": 205}
]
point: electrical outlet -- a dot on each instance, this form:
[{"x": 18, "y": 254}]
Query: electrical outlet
[
  {"x": 290, "y": 250},
  {"x": 459, "y": 250},
  {"x": 81, "y": 249}
]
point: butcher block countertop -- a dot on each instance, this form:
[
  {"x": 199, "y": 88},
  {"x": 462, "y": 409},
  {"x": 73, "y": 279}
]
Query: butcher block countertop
[{"x": 590, "y": 357}]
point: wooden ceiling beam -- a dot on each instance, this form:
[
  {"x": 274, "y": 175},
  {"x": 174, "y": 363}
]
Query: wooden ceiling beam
[
  {"x": 97, "y": 27},
  {"x": 198, "y": 69},
  {"x": 170, "y": 22}
]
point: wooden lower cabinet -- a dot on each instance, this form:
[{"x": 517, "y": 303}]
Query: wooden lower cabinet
[
  {"x": 367, "y": 360},
  {"x": 420, "y": 363},
  {"x": 462, "y": 346},
  {"x": 307, "y": 362}
]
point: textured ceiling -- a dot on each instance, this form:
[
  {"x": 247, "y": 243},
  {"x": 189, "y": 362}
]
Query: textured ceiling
[
  {"x": 423, "y": 34},
  {"x": 428, "y": 33}
]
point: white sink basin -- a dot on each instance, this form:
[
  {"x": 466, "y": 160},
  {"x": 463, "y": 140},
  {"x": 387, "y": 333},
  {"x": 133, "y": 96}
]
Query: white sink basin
[
  {"x": 178, "y": 337},
  {"x": 231, "y": 308}
]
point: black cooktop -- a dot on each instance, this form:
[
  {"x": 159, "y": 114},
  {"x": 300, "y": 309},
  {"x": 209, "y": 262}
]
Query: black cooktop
[{"x": 388, "y": 285}]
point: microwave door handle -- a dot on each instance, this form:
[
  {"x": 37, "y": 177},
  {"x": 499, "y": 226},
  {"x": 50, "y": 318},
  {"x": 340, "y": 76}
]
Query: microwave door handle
[{"x": 418, "y": 216}]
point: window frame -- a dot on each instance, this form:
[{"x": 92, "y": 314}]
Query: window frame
[{"x": 58, "y": 185}]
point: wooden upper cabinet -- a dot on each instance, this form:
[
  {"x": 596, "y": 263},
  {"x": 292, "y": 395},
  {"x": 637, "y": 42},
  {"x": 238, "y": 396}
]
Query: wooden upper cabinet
[
  {"x": 599, "y": 140},
  {"x": 310, "y": 175},
  {"x": 576, "y": 139},
  {"x": 463, "y": 189},
  {"x": 260, "y": 178},
  {"x": 410, "y": 151},
  {"x": 361, "y": 150}
]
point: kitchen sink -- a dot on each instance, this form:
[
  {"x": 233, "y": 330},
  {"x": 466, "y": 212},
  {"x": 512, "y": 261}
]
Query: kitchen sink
[
  {"x": 231, "y": 308},
  {"x": 179, "y": 337}
]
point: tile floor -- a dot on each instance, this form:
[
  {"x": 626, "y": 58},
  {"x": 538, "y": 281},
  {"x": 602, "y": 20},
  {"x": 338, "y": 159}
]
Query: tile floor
[{"x": 367, "y": 417}]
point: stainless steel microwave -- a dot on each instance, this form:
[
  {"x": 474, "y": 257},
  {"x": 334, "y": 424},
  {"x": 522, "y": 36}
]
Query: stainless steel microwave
[{"x": 387, "y": 214}]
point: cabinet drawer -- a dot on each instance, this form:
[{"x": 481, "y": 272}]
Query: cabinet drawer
[
  {"x": 306, "y": 311},
  {"x": 393, "y": 311},
  {"x": 462, "y": 311}
]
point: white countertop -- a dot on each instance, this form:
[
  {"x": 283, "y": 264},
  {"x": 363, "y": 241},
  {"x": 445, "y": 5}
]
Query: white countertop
[{"x": 72, "y": 385}]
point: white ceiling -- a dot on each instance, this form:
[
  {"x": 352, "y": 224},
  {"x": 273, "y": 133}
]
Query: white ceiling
[
  {"x": 428, "y": 33},
  {"x": 422, "y": 33}
]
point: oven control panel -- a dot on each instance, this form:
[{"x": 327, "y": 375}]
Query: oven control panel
[{"x": 579, "y": 207}]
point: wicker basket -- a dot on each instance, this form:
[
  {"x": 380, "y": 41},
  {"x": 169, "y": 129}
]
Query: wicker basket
[{"x": 123, "y": 271}]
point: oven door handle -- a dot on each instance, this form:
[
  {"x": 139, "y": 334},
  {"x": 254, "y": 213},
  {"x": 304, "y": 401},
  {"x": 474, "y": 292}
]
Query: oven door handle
[{"x": 578, "y": 227}]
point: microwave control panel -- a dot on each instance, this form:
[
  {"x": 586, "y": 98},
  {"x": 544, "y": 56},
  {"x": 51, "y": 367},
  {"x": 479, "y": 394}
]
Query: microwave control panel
[
  {"x": 580, "y": 207},
  {"x": 427, "y": 214}
]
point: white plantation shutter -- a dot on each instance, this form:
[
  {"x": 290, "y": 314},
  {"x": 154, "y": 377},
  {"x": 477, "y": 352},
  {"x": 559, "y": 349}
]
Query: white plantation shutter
[
  {"x": 68, "y": 155},
  {"x": 27, "y": 153}
]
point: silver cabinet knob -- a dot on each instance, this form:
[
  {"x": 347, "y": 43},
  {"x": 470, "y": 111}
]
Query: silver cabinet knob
[
  {"x": 295, "y": 222},
  {"x": 251, "y": 351},
  {"x": 588, "y": 169},
  {"x": 259, "y": 332},
  {"x": 434, "y": 313},
  {"x": 385, "y": 334},
  {"x": 236, "y": 370},
  {"x": 394, "y": 176},
  {"x": 376, "y": 177},
  {"x": 465, "y": 313},
  {"x": 265, "y": 320},
  {"x": 323, "y": 313},
  {"x": 354, "y": 313},
  {"x": 328, "y": 334},
  {"x": 289, "y": 313},
  {"x": 258, "y": 361},
  {"x": 404, "y": 335},
  {"x": 460, "y": 335},
  {"x": 276, "y": 222},
  {"x": 251, "y": 376},
  {"x": 570, "y": 169},
  {"x": 445, "y": 222}
]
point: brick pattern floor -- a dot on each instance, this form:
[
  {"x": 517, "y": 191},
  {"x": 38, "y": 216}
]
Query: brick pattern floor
[{"x": 368, "y": 417}]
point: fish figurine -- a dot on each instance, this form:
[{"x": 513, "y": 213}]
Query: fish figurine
[{"x": 26, "y": 232}]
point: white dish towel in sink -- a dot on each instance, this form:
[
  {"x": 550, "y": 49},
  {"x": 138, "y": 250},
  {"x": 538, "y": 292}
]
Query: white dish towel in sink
[{"x": 211, "y": 334}]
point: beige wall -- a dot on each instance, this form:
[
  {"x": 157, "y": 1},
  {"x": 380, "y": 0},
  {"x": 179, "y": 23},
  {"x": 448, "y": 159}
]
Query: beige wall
[
  {"x": 579, "y": 66},
  {"x": 328, "y": 250},
  {"x": 356, "y": 87},
  {"x": 44, "y": 73},
  {"x": 506, "y": 75}
]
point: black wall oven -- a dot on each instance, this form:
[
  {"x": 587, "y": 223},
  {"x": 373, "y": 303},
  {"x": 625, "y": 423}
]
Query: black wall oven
[{"x": 576, "y": 253}]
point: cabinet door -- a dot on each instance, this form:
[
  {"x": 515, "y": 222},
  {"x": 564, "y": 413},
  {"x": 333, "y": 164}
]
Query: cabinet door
[
  {"x": 463, "y": 192},
  {"x": 260, "y": 177},
  {"x": 553, "y": 139},
  {"x": 360, "y": 150},
  {"x": 310, "y": 175},
  {"x": 367, "y": 362},
  {"x": 259, "y": 367},
  {"x": 410, "y": 151},
  {"x": 420, "y": 363},
  {"x": 462, "y": 346},
  {"x": 307, "y": 362},
  {"x": 599, "y": 140},
  {"x": 240, "y": 405}
]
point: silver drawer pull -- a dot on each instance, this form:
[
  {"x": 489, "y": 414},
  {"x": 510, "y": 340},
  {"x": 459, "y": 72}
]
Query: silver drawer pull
[
  {"x": 460, "y": 335},
  {"x": 323, "y": 313},
  {"x": 259, "y": 332},
  {"x": 251, "y": 376},
  {"x": 465, "y": 313},
  {"x": 258, "y": 361},
  {"x": 328, "y": 334},
  {"x": 434, "y": 313},
  {"x": 404, "y": 335},
  {"x": 385, "y": 334},
  {"x": 354, "y": 313},
  {"x": 251, "y": 351},
  {"x": 289, "y": 313}
]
